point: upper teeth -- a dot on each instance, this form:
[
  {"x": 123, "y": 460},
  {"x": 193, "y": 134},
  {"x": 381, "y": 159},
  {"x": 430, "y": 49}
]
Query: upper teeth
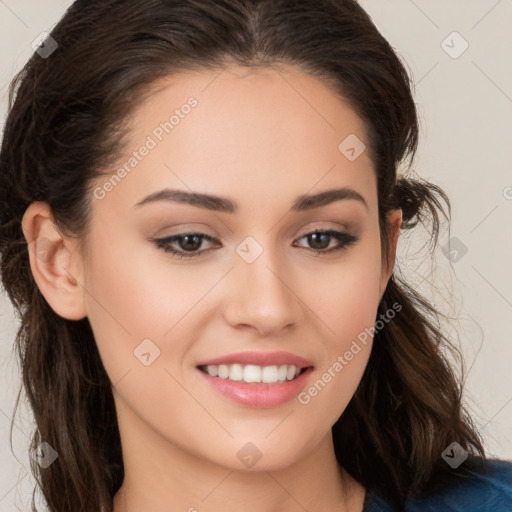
[{"x": 253, "y": 373}]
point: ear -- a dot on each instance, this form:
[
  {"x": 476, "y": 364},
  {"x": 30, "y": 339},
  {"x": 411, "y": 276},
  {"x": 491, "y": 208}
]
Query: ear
[
  {"x": 394, "y": 220},
  {"x": 54, "y": 261}
]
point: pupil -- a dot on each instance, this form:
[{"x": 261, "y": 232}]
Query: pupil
[
  {"x": 195, "y": 245},
  {"x": 315, "y": 237}
]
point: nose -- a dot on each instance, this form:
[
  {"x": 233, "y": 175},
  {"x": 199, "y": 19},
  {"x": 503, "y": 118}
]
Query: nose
[{"x": 263, "y": 295}]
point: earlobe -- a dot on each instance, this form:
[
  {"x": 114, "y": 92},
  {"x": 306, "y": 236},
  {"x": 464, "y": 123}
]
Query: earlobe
[{"x": 54, "y": 262}]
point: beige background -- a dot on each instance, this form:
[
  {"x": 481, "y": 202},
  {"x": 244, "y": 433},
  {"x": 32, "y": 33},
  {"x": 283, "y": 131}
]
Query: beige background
[{"x": 465, "y": 105}]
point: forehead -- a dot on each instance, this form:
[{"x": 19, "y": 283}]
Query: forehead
[
  {"x": 242, "y": 129},
  {"x": 282, "y": 100}
]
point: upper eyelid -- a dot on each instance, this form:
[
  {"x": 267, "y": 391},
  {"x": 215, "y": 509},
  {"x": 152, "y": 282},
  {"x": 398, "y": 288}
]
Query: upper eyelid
[{"x": 345, "y": 227}]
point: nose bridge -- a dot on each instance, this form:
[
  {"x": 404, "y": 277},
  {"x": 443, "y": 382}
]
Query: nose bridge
[{"x": 263, "y": 296}]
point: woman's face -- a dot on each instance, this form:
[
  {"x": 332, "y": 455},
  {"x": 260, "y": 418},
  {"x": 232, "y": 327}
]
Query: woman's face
[{"x": 261, "y": 143}]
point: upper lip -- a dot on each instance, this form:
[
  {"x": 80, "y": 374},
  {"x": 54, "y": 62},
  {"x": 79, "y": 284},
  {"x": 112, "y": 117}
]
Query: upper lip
[{"x": 260, "y": 359}]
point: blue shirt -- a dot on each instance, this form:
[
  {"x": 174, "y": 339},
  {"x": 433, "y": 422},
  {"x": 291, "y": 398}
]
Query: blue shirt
[{"x": 489, "y": 491}]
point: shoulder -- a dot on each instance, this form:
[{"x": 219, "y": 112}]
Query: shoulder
[{"x": 488, "y": 489}]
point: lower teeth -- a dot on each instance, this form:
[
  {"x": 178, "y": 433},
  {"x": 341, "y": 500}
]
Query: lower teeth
[{"x": 267, "y": 383}]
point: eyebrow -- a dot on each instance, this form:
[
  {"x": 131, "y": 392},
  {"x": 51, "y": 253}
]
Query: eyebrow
[{"x": 222, "y": 204}]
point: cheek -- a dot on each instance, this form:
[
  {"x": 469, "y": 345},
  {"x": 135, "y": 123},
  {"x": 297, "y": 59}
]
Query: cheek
[
  {"x": 345, "y": 295},
  {"x": 130, "y": 310},
  {"x": 346, "y": 303},
  {"x": 349, "y": 312},
  {"x": 126, "y": 302}
]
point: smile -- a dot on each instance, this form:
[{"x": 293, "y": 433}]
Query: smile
[
  {"x": 255, "y": 392},
  {"x": 253, "y": 374}
]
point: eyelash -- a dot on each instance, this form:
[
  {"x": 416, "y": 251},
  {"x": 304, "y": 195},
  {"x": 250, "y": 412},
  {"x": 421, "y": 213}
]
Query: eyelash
[{"x": 165, "y": 243}]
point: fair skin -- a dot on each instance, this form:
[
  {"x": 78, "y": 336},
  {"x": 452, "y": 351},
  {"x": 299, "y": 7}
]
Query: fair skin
[{"x": 258, "y": 141}]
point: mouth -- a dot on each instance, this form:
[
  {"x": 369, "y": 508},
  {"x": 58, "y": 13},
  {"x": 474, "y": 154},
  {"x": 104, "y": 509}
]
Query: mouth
[
  {"x": 257, "y": 379},
  {"x": 254, "y": 374}
]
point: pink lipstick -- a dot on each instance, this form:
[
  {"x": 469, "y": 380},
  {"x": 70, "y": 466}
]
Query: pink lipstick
[{"x": 257, "y": 379}]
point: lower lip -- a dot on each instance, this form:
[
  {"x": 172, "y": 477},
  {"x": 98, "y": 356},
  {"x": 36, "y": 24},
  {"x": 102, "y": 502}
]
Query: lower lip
[{"x": 258, "y": 395}]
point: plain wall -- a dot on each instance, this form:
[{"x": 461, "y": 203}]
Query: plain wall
[{"x": 465, "y": 106}]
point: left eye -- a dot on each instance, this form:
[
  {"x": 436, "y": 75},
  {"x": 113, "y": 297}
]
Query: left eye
[{"x": 190, "y": 243}]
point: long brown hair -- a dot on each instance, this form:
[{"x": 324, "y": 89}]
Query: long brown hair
[{"x": 66, "y": 126}]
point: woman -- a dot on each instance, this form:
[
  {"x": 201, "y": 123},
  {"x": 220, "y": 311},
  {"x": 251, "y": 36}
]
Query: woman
[{"x": 200, "y": 216}]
